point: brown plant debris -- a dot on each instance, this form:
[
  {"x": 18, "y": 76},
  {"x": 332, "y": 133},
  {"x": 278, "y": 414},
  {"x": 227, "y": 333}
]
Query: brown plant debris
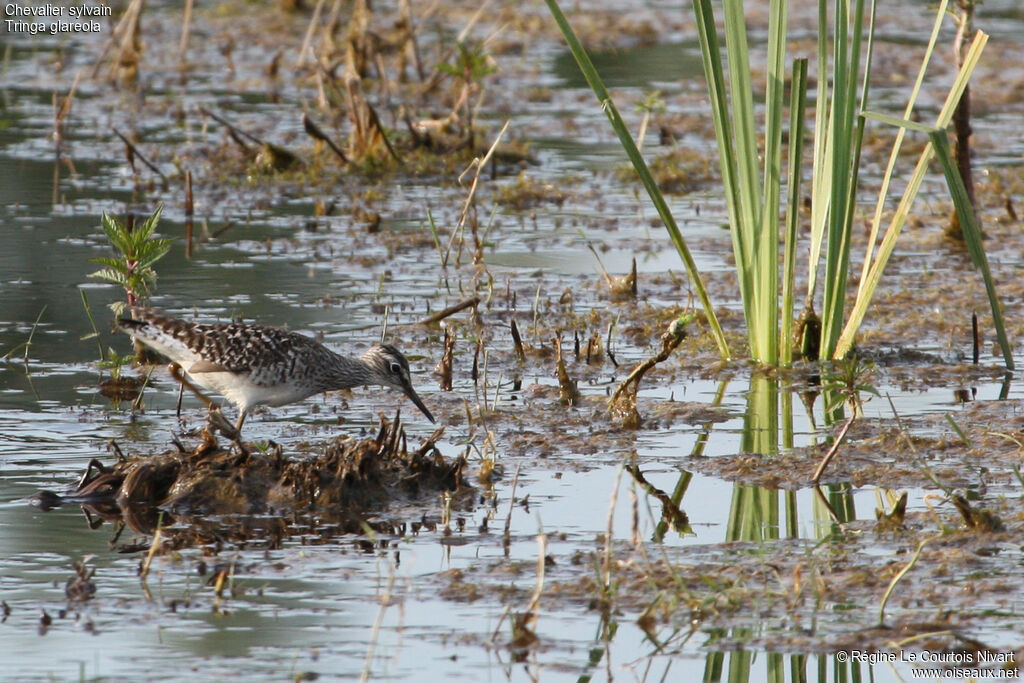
[{"x": 351, "y": 478}]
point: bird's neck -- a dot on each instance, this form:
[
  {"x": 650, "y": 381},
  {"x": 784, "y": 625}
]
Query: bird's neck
[{"x": 347, "y": 373}]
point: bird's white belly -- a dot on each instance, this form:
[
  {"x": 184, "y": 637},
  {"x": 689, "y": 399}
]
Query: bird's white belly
[{"x": 244, "y": 393}]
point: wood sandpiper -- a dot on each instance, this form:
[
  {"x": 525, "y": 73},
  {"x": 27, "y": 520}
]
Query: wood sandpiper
[{"x": 253, "y": 365}]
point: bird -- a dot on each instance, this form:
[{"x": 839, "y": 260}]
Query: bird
[{"x": 251, "y": 364}]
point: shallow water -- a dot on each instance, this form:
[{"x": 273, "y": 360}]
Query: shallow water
[{"x": 345, "y": 606}]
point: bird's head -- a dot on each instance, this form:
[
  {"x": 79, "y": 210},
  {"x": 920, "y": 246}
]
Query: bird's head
[{"x": 391, "y": 369}]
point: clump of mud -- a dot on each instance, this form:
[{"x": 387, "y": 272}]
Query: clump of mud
[{"x": 348, "y": 482}]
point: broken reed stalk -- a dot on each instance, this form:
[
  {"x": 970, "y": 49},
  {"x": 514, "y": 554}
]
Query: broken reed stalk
[
  {"x": 367, "y": 130},
  {"x": 976, "y": 355},
  {"x": 533, "y": 607},
  {"x": 1011, "y": 213},
  {"x": 568, "y": 393},
  {"x": 313, "y": 21},
  {"x": 126, "y": 66},
  {"x": 475, "y": 372},
  {"x": 317, "y": 133},
  {"x": 186, "y": 28},
  {"x": 358, "y": 49},
  {"x": 60, "y": 113},
  {"x": 410, "y": 45},
  {"x": 471, "y": 302},
  {"x": 833, "y": 450},
  {"x": 962, "y": 118},
  {"x": 189, "y": 211},
  {"x": 445, "y": 367},
  {"x": 225, "y": 577},
  {"x": 128, "y": 23},
  {"x": 517, "y": 341},
  {"x": 608, "y": 342},
  {"x": 475, "y": 166},
  {"x": 672, "y": 338},
  {"x": 379, "y": 127},
  {"x": 483, "y": 409},
  {"x": 134, "y": 152},
  {"x": 234, "y": 131},
  {"x": 617, "y": 285},
  {"x": 333, "y": 21},
  {"x": 506, "y": 536}
]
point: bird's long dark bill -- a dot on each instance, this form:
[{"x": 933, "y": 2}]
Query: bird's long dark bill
[{"x": 414, "y": 397}]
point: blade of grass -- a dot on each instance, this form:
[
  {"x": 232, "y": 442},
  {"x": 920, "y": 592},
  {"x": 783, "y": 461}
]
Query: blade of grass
[
  {"x": 714, "y": 75},
  {"x": 960, "y": 432},
  {"x": 753, "y": 207},
  {"x": 883, "y": 192},
  {"x": 594, "y": 80},
  {"x": 843, "y": 126},
  {"x": 902, "y": 212},
  {"x": 92, "y": 321},
  {"x": 437, "y": 239},
  {"x": 972, "y": 235},
  {"x": 821, "y": 177},
  {"x": 899, "y": 575},
  {"x": 797, "y": 114},
  {"x": 767, "y": 250}
]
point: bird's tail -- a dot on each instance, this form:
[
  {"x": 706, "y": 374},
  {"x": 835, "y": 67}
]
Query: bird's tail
[{"x": 154, "y": 330}]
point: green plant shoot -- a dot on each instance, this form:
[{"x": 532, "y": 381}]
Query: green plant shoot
[{"x": 139, "y": 251}]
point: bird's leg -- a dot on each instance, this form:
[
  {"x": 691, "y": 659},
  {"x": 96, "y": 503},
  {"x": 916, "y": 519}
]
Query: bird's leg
[
  {"x": 217, "y": 418},
  {"x": 218, "y": 421},
  {"x": 175, "y": 371},
  {"x": 181, "y": 394},
  {"x": 237, "y": 439}
]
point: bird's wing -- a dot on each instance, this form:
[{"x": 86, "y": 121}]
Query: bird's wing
[{"x": 207, "y": 366}]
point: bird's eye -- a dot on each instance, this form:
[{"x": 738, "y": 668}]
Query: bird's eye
[{"x": 396, "y": 369}]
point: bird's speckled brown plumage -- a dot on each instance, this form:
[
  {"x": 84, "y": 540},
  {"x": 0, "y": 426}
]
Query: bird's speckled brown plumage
[{"x": 254, "y": 364}]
